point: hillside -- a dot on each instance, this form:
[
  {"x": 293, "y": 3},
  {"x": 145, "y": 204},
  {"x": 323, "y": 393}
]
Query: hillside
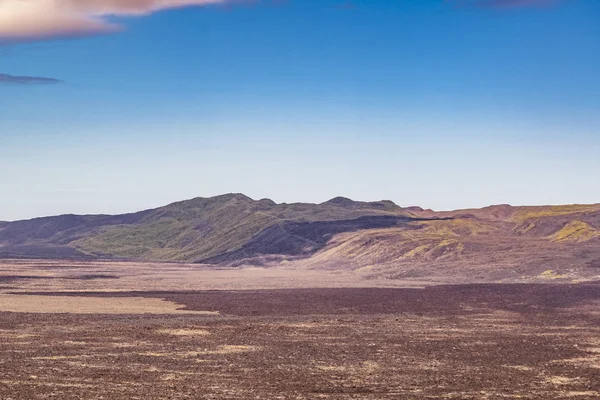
[
  {"x": 494, "y": 243},
  {"x": 378, "y": 239},
  {"x": 197, "y": 229}
]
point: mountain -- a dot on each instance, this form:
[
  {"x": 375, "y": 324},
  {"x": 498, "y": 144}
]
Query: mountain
[
  {"x": 224, "y": 227},
  {"x": 372, "y": 238}
]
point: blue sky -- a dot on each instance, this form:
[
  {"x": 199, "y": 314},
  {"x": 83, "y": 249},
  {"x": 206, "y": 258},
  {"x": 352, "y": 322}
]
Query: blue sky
[{"x": 441, "y": 104}]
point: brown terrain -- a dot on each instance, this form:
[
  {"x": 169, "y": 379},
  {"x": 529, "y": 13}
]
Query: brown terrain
[
  {"x": 122, "y": 330},
  {"x": 231, "y": 298}
]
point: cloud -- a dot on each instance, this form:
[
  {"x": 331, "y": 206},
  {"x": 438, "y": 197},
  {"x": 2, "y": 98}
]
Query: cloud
[
  {"x": 26, "y": 80},
  {"x": 30, "y": 20}
]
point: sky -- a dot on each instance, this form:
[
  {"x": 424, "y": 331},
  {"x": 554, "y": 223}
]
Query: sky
[{"x": 111, "y": 106}]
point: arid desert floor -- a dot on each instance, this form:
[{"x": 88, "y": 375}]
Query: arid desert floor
[{"x": 140, "y": 331}]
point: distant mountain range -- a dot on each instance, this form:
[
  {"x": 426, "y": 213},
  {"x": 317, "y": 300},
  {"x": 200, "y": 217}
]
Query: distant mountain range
[{"x": 379, "y": 238}]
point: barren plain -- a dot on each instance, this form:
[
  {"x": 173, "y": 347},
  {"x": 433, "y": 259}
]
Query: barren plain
[{"x": 108, "y": 330}]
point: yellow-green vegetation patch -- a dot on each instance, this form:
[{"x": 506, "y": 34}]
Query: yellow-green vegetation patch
[
  {"x": 436, "y": 250},
  {"x": 551, "y": 274},
  {"x": 575, "y": 231},
  {"x": 526, "y": 213},
  {"x": 417, "y": 251},
  {"x": 459, "y": 227}
]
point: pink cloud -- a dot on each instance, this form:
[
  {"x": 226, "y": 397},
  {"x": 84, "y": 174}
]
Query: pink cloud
[{"x": 26, "y": 20}]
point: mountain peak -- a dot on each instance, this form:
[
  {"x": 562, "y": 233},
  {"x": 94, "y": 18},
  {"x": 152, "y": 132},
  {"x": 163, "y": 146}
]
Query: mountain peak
[
  {"x": 233, "y": 196},
  {"x": 341, "y": 201}
]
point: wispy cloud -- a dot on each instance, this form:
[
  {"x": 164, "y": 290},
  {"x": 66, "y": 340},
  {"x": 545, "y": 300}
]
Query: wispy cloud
[
  {"x": 30, "y": 20},
  {"x": 25, "y": 80}
]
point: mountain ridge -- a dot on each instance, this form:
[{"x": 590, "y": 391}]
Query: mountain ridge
[
  {"x": 376, "y": 237},
  {"x": 223, "y": 223}
]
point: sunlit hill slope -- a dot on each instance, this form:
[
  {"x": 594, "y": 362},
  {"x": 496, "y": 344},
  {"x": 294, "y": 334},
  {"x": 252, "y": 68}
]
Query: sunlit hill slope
[{"x": 371, "y": 238}]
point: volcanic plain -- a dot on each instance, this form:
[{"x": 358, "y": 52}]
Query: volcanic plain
[{"x": 125, "y": 330}]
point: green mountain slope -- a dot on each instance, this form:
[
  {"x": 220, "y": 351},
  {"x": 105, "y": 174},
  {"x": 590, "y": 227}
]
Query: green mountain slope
[{"x": 192, "y": 230}]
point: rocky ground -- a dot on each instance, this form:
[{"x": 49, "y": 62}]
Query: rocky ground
[{"x": 460, "y": 342}]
